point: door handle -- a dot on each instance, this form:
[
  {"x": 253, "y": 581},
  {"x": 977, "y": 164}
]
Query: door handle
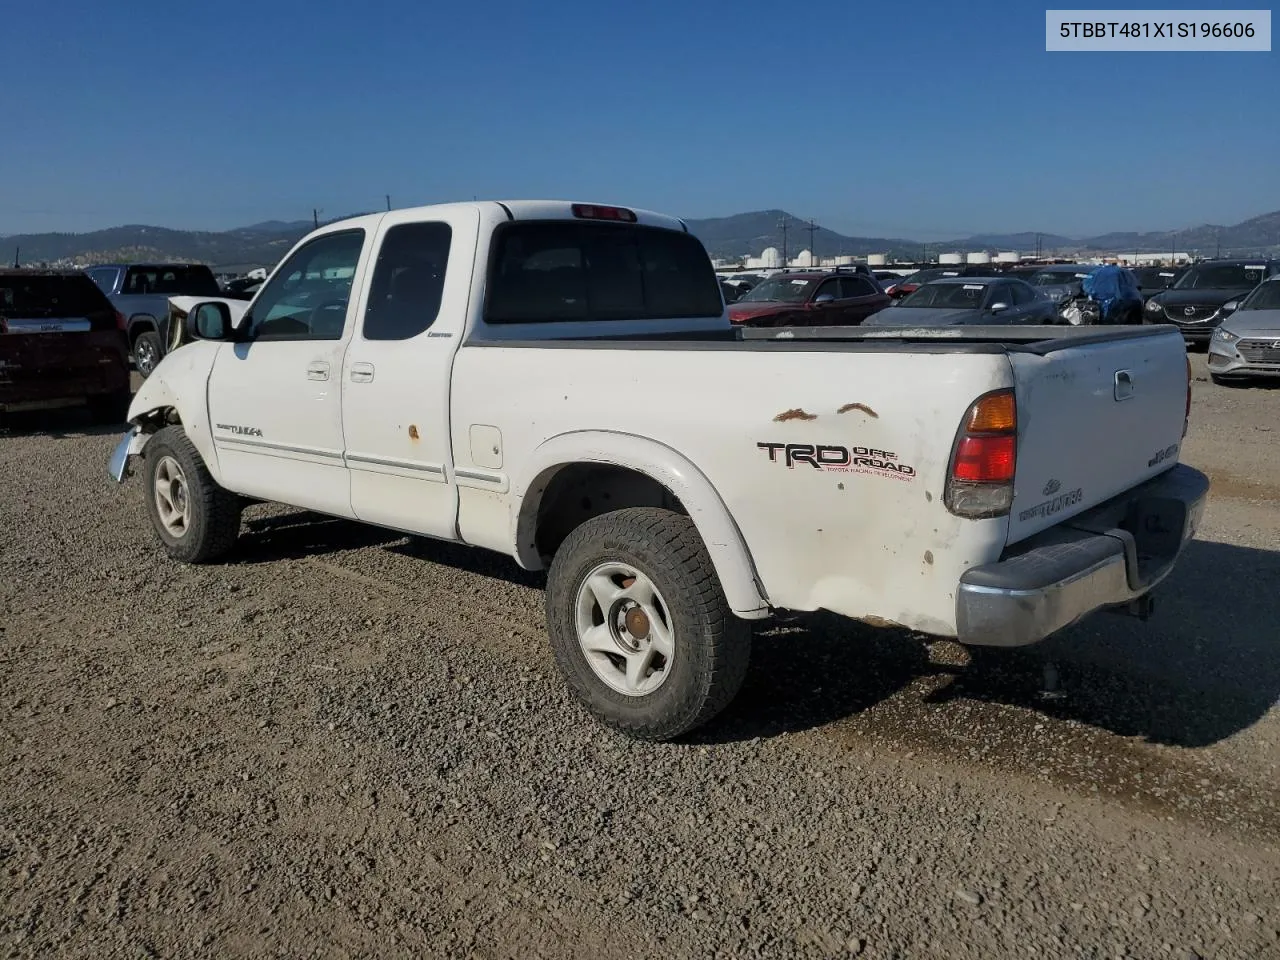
[
  {"x": 317, "y": 370},
  {"x": 362, "y": 373},
  {"x": 1124, "y": 385}
]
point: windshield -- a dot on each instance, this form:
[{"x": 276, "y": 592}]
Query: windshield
[
  {"x": 1055, "y": 278},
  {"x": 951, "y": 296},
  {"x": 1222, "y": 276},
  {"x": 1266, "y": 296},
  {"x": 924, "y": 276},
  {"x": 780, "y": 290},
  {"x": 1155, "y": 277},
  {"x": 39, "y": 296}
]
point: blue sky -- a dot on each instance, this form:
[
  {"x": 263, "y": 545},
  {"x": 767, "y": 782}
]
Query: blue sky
[{"x": 927, "y": 120}]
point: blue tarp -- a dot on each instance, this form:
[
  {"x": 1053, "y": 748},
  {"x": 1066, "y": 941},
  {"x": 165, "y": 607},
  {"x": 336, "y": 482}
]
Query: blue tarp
[{"x": 1113, "y": 288}]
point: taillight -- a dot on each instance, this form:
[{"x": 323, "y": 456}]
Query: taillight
[
  {"x": 985, "y": 458},
  {"x": 121, "y": 322},
  {"x": 591, "y": 211}
]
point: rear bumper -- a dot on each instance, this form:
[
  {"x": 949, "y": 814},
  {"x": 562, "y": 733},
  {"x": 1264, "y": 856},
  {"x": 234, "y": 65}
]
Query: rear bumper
[{"x": 1106, "y": 557}]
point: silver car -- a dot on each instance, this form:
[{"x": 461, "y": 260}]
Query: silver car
[{"x": 1247, "y": 343}]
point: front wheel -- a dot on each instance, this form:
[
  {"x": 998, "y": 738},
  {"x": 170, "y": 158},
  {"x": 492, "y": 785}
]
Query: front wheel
[
  {"x": 196, "y": 520},
  {"x": 640, "y": 627}
]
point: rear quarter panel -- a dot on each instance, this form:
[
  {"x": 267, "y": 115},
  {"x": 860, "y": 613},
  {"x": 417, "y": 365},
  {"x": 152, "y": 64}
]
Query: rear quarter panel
[{"x": 854, "y": 524}]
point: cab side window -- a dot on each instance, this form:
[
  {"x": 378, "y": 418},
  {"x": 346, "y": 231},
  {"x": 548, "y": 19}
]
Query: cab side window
[
  {"x": 828, "y": 288},
  {"x": 408, "y": 281},
  {"x": 306, "y": 298}
]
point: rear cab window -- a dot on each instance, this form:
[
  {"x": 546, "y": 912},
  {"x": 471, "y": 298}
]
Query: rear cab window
[
  {"x": 195, "y": 280},
  {"x": 39, "y": 303},
  {"x": 556, "y": 271}
]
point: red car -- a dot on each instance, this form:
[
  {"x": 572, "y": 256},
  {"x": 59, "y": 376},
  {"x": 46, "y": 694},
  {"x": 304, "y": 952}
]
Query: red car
[{"x": 811, "y": 299}]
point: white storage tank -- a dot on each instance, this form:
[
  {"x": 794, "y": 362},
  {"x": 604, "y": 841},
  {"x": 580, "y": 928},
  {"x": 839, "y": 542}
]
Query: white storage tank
[
  {"x": 951, "y": 258},
  {"x": 1008, "y": 256},
  {"x": 980, "y": 257},
  {"x": 873, "y": 260},
  {"x": 844, "y": 261}
]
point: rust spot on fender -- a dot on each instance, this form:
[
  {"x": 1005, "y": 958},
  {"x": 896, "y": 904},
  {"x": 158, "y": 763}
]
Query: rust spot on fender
[
  {"x": 413, "y": 431},
  {"x": 859, "y": 406},
  {"x": 928, "y": 556},
  {"x": 794, "y": 414}
]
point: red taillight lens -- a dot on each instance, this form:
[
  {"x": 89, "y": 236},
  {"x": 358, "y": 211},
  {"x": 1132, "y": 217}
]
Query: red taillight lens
[
  {"x": 121, "y": 322},
  {"x": 591, "y": 211},
  {"x": 980, "y": 484},
  {"x": 985, "y": 459}
]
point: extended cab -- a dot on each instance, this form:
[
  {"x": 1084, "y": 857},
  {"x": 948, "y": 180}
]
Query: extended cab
[
  {"x": 141, "y": 292},
  {"x": 560, "y": 382}
]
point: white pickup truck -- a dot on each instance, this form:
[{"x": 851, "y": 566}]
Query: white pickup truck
[{"x": 560, "y": 382}]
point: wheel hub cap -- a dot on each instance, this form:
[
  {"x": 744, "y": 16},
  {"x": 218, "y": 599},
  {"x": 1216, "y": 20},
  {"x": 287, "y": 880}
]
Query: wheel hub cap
[{"x": 624, "y": 629}]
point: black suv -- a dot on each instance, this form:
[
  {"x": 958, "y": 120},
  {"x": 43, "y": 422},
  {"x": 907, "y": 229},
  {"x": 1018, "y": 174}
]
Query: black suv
[{"x": 1205, "y": 295}]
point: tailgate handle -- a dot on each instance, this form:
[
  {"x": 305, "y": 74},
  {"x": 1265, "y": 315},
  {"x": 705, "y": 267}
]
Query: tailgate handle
[{"x": 1124, "y": 385}]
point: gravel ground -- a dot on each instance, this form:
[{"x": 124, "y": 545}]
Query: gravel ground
[{"x": 349, "y": 743}]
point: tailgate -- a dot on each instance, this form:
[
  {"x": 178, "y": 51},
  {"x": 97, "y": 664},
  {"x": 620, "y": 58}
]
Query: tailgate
[{"x": 1095, "y": 419}]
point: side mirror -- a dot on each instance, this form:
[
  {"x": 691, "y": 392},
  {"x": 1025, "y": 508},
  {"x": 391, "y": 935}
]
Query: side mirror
[
  {"x": 1231, "y": 306},
  {"x": 824, "y": 298},
  {"x": 209, "y": 321},
  {"x": 1000, "y": 307}
]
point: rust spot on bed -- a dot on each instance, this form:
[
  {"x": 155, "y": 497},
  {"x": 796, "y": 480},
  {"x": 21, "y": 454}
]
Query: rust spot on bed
[
  {"x": 859, "y": 406},
  {"x": 413, "y": 431},
  {"x": 928, "y": 556},
  {"x": 794, "y": 414}
]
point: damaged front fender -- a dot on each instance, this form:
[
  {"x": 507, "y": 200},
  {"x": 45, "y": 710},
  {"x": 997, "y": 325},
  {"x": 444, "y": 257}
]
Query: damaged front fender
[{"x": 130, "y": 445}]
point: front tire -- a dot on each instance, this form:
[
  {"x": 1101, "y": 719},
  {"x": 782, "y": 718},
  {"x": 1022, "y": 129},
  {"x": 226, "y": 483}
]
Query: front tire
[
  {"x": 196, "y": 520},
  {"x": 639, "y": 624},
  {"x": 146, "y": 353}
]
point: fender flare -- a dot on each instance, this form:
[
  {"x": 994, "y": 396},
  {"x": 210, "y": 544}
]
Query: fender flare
[
  {"x": 180, "y": 382},
  {"x": 139, "y": 320},
  {"x": 662, "y": 464}
]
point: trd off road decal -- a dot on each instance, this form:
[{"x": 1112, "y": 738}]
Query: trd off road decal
[{"x": 839, "y": 459}]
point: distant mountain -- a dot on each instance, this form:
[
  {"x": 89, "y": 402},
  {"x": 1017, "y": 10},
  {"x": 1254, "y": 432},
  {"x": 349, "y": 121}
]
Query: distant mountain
[
  {"x": 277, "y": 226},
  {"x": 263, "y": 244},
  {"x": 1254, "y": 236},
  {"x": 748, "y": 234},
  {"x": 1022, "y": 242}
]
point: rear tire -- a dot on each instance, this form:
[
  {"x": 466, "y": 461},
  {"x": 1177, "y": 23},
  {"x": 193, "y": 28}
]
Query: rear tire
[
  {"x": 639, "y": 624},
  {"x": 146, "y": 352},
  {"x": 196, "y": 520}
]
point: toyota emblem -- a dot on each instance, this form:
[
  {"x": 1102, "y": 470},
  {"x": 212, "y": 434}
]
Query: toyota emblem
[
  {"x": 1189, "y": 311},
  {"x": 1275, "y": 345}
]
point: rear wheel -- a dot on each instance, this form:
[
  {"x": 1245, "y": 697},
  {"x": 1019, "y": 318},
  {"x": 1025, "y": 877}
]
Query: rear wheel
[
  {"x": 640, "y": 627},
  {"x": 196, "y": 520},
  {"x": 146, "y": 352}
]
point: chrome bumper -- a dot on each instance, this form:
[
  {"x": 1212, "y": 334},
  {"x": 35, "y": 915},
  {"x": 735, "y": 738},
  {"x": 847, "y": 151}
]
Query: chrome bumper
[
  {"x": 1106, "y": 557},
  {"x": 130, "y": 443}
]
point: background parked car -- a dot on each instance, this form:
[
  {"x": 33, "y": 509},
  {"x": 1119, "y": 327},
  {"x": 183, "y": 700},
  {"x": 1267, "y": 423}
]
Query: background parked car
[
  {"x": 61, "y": 344},
  {"x": 1247, "y": 343},
  {"x": 141, "y": 291},
  {"x": 908, "y": 285},
  {"x": 1060, "y": 282},
  {"x": 1151, "y": 280},
  {"x": 954, "y": 300},
  {"x": 1196, "y": 302},
  {"x": 817, "y": 298}
]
